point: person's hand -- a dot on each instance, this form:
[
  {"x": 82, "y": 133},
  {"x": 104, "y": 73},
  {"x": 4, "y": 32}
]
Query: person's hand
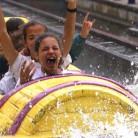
[
  {"x": 86, "y": 27},
  {"x": 71, "y": 0},
  {"x": 27, "y": 71},
  {"x": 71, "y": 4}
]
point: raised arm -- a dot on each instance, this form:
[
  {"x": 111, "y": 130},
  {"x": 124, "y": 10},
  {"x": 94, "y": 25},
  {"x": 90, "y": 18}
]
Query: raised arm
[
  {"x": 69, "y": 27},
  {"x": 6, "y": 43},
  {"x": 87, "y": 25},
  {"x": 79, "y": 39}
]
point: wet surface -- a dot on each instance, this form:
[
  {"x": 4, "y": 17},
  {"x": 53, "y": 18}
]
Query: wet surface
[{"x": 59, "y": 7}]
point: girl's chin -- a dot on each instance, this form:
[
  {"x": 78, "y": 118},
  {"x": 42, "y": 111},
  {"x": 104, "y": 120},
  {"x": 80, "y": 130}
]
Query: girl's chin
[
  {"x": 49, "y": 68},
  {"x": 0, "y": 53}
]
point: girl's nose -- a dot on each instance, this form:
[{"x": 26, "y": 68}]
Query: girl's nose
[{"x": 51, "y": 50}]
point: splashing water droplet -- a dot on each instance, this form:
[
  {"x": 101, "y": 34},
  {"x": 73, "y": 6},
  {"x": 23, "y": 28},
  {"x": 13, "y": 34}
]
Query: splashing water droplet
[
  {"x": 132, "y": 63},
  {"x": 30, "y": 106},
  {"x": 82, "y": 54},
  {"x": 96, "y": 93},
  {"x": 93, "y": 73},
  {"x": 58, "y": 104},
  {"x": 91, "y": 37},
  {"x": 80, "y": 14},
  {"x": 127, "y": 80}
]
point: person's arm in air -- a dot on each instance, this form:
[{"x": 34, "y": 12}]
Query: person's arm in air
[
  {"x": 69, "y": 27},
  {"x": 6, "y": 43},
  {"x": 79, "y": 39},
  {"x": 26, "y": 73}
]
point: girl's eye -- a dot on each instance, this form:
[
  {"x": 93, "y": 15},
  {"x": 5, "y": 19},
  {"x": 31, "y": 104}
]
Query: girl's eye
[
  {"x": 55, "y": 48},
  {"x": 32, "y": 38},
  {"x": 45, "y": 49}
]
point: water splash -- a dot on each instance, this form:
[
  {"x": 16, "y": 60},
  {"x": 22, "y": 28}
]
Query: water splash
[
  {"x": 123, "y": 127},
  {"x": 134, "y": 87}
]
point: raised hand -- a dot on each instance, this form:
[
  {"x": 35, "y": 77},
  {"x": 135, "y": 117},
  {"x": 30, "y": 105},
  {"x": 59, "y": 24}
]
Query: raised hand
[
  {"x": 87, "y": 25},
  {"x": 27, "y": 71},
  {"x": 71, "y": 4}
]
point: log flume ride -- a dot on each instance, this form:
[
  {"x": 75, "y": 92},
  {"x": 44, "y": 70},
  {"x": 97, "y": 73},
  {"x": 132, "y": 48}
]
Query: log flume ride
[
  {"x": 56, "y": 105},
  {"x": 51, "y": 106}
]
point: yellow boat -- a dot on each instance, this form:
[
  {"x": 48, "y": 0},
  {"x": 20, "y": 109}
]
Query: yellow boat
[
  {"x": 51, "y": 106},
  {"x": 23, "y": 18}
]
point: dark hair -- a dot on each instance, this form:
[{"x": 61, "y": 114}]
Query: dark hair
[
  {"x": 43, "y": 36},
  {"x": 29, "y": 24},
  {"x": 14, "y": 24},
  {"x": 3, "y": 65},
  {"x": 17, "y": 41},
  {"x": 14, "y": 29}
]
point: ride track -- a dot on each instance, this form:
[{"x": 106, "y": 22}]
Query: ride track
[{"x": 104, "y": 54}]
